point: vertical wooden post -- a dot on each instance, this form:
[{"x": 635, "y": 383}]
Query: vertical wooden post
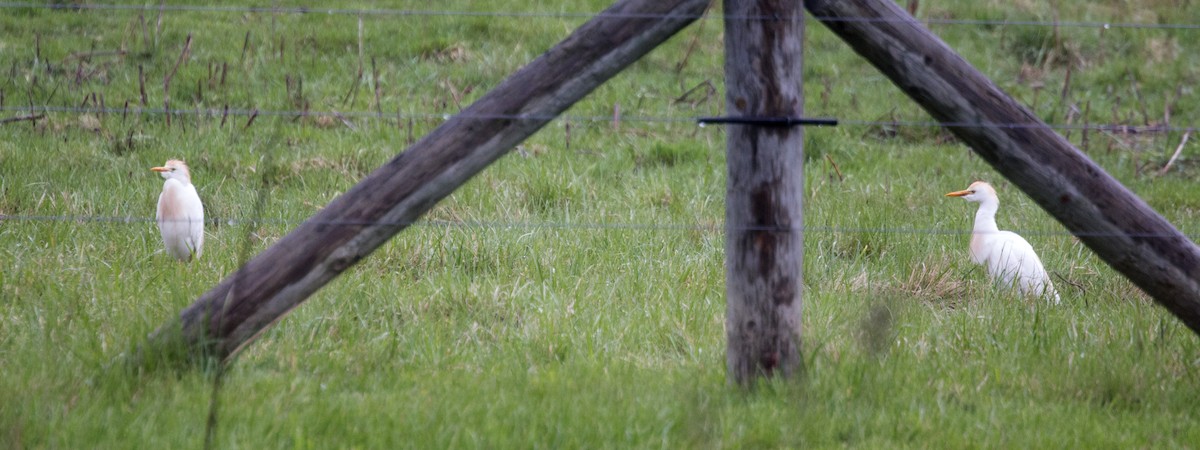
[{"x": 764, "y": 242}]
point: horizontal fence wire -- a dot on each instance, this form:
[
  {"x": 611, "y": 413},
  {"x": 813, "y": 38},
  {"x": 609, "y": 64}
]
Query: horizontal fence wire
[
  {"x": 379, "y": 115},
  {"x": 575, "y": 15},
  {"x": 219, "y": 112},
  {"x": 138, "y": 220}
]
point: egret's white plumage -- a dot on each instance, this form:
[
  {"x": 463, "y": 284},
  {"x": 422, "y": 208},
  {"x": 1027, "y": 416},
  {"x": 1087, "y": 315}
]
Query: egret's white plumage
[
  {"x": 180, "y": 214},
  {"x": 1009, "y": 257}
]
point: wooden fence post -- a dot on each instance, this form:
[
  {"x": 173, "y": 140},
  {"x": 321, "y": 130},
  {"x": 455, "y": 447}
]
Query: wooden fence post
[
  {"x": 395, "y": 195},
  {"x": 1120, "y": 227},
  {"x": 764, "y": 241}
]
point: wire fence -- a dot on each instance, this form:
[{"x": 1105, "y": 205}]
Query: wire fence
[
  {"x": 27, "y": 111},
  {"x": 602, "y": 226},
  {"x": 1119, "y": 128},
  {"x": 162, "y": 8},
  {"x": 36, "y": 112}
]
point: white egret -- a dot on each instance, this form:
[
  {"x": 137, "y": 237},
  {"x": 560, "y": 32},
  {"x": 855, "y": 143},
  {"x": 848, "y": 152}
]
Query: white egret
[
  {"x": 180, "y": 214},
  {"x": 1009, "y": 257}
]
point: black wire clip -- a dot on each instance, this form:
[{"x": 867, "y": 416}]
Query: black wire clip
[{"x": 770, "y": 121}]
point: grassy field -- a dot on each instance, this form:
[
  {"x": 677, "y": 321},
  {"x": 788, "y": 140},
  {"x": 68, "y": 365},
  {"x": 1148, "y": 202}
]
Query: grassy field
[{"x": 572, "y": 295}]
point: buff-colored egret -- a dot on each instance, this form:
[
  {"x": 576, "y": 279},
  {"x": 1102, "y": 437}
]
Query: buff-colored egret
[
  {"x": 1009, "y": 257},
  {"x": 180, "y": 214}
]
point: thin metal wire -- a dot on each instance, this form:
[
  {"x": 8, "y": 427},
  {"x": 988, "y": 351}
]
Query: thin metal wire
[
  {"x": 579, "y": 15},
  {"x": 1118, "y": 128},
  {"x": 132, "y": 220},
  {"x": 1006, "y": 22},
  {"x": 353, "y": 11},
  {"x": 769, "y": 121},
  {"x": 218, "y": 112}
]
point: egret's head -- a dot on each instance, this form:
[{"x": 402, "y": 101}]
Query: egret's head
[
  {"x": 176, "y": 169},
  {"x": 976, "y": 192}
]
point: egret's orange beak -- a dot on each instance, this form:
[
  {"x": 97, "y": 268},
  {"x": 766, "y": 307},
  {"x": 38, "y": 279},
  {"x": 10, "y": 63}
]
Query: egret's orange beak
[
  {"x": 164, "y": 169},
  {"x": 958, "y": 193}
]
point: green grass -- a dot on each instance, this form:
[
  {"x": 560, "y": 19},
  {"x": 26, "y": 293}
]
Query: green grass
[{"x": 571, "y": 295}]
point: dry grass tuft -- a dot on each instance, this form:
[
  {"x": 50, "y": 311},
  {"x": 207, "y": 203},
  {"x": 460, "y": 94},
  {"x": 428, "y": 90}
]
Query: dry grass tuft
[
  {"x": 450, "y": 54},
  {"x": 1162, "y": 49},
  {"x": 933, "y": 282}
]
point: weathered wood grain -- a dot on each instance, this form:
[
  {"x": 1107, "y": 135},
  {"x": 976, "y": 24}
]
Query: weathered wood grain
[{"x": 764, "y": 242}]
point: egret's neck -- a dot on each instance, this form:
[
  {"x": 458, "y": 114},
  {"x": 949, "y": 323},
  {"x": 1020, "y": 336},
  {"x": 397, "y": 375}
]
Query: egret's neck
[
  {"x": 181, "y": 180},
  {"x": 985, "y": 218}
]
